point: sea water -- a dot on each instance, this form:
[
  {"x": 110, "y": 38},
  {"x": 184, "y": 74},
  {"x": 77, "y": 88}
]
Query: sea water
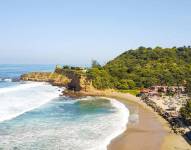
[{"x": 34, "y": 117}]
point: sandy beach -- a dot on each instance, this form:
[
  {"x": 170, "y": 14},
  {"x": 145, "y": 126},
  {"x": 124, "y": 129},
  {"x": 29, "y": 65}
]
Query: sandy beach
[
  {"x": 140, "y": 133},
  {"x": 146, "y": 130}
]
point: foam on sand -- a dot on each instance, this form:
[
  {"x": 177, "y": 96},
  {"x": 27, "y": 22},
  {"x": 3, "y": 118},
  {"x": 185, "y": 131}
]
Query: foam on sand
[
  {"x": 123, "y": 114},
  {"x": 119, "y": 121}
]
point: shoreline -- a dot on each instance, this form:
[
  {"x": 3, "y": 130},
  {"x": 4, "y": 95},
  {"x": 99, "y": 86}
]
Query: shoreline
[
  {"x": 151, "y": 127},
  {"x": 122, "y": 108},
  {"x": 154, "y": 129}
]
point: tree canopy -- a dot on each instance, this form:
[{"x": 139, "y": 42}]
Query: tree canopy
[
  {"x": 144, "y": 67},
  {"x": 186, "y": 111},
  {"x": 147, "y": 66}
]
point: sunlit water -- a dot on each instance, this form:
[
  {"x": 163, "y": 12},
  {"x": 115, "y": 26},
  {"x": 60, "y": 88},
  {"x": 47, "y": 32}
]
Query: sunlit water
[{"x": 34, "y": 117}]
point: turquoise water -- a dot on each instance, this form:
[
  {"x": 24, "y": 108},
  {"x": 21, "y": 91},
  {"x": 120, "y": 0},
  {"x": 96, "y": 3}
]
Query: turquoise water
[{"x": 34, "y": 117}]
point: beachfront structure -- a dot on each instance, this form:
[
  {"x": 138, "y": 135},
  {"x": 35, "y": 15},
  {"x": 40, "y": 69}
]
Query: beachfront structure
[
  {"x": 149, "y": 92},
  {"x": 156, "y": 90},
  {"x": 164, "y": 89}
]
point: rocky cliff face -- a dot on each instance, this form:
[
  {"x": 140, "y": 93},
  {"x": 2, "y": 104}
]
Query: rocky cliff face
[
  {"x": 53, "y": 78},
  {"x": 72, "y": 80}
]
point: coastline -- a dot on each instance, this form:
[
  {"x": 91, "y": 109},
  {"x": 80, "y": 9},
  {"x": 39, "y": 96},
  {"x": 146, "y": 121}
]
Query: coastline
[{"x": 151, "y": 127}]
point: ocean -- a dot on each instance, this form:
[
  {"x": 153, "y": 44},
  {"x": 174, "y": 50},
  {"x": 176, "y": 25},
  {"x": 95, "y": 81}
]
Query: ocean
[{"x": 34, "y": 117}]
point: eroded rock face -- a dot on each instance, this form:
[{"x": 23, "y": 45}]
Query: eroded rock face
[
  {"x": 53, "y": 78},
  {"x": 78, "y": 82},
  {"x": 70, "y": 79}
]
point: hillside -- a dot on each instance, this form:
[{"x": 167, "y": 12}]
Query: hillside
[
  {"x": 142, "y": 67},
  {"x": 145, "y": 67}
]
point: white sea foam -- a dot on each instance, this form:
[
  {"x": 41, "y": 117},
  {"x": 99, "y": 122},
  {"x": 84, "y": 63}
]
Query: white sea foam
[
  {"x": 7, "y": 80},
  {"x": 19, "y": 99},
  {"x": 123, "y": 114},
  {"x": 88, "y": 131},
  {"x": 119, "y": 120}
]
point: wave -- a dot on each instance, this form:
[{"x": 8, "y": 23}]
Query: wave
[
  {"x": 6, "y": 80},
  {"x": 124, "y": 114},
  {"x": 72, "y": 125},
  {"x": 26, "y": 85},
  {"x": 9, "y": 79},
  {"x": 22, "y": 98}
]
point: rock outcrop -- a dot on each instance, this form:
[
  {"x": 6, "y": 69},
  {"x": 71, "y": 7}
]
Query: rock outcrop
[
  {"x": 74, "y": 80},
  {"x": 53, "y": 78},
  {"x": 79, "y": 81}
]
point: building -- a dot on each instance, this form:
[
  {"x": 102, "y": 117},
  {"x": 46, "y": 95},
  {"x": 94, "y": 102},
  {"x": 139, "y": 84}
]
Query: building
[{"x": 164, "y": 89}]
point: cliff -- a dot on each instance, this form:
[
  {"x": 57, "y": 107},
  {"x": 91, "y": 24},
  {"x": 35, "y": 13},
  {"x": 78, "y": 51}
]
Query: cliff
[
  {"x": 74, "y": 80},
  {"x": 78, "y": 79},
  {"x": 53, "y": 78}
]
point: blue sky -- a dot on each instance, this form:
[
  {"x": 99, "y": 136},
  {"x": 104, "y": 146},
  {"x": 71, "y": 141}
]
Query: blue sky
[{"x": 77, "y": 31}]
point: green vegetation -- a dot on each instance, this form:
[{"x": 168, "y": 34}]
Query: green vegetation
[
  {"x": 100, "y": 78},
  {"x": 133, "y": 92},
  {"x": 144, "y": 67},
  {"x": 186, "y": 111},
  {"x": 66, "y": 70},
  {"x": 188, "y": 86},
  {"x": 147, "y": 66}
]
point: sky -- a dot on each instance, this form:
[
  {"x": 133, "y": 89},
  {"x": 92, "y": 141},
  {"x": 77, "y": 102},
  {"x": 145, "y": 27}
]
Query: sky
[{"x": 75, "y": 32}]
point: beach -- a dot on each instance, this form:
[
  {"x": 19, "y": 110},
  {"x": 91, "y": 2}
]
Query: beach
[
  {"x": 146, "y": 130},
  {"x": 147, "y": 133},
  {"x": 150, "y": 132}
]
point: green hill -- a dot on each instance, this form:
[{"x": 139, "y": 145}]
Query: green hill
[
  {"x": 147, "y": 67},
  {"x": 144, "y": 67}
]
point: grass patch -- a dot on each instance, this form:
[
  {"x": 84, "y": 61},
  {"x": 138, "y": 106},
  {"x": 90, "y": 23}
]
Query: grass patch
[{"x": 133, "y": 92}]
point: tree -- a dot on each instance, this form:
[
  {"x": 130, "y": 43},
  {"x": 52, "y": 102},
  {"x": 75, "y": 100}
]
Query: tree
[
  {"x": 95, "y": 64},
  {"x": 188, "y": 86},
  {"x": 58, "y": 69},
  {"x": 186, "y": 111},
  {"x": 131, "y": 84},
  {"x": 100, "y": 78},
  {"x": 66, "y": 67},
  {"x": 148, "y": 67},
  {"x": 125, "y": 84}
]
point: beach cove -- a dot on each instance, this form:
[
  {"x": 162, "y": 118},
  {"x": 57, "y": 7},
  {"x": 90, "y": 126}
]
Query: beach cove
[
  {"x": 143, "y": 123},
  {"x": 95, "y": 75},
  {"x": 150, "y": 132},
  {"x": 34, "y": 115}
]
